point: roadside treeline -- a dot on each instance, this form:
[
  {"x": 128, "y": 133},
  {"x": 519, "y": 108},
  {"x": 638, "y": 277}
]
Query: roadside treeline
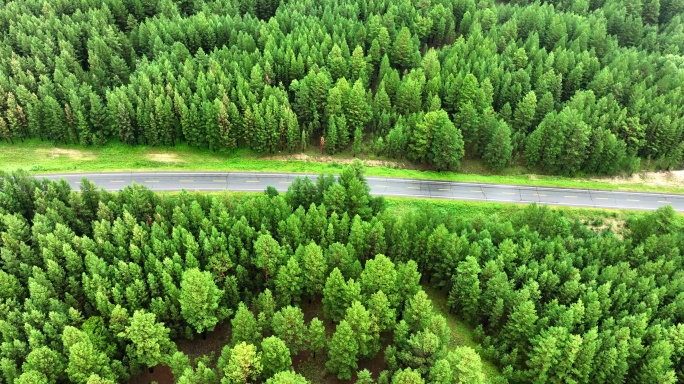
[
  {"x": 97, "y": 286},
  {"x": 566, "y": 87}
]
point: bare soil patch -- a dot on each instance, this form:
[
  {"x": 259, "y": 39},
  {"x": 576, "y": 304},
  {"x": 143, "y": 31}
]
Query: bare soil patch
[
  {"x": 655, "y": 179},
  {"x": 161, "y": 375},
  {"x": 330, "y": 159},
  {"x": 211, "y": 346},
  {"x": 164, "y": 157},
  {"x": 73, "y": 154}
]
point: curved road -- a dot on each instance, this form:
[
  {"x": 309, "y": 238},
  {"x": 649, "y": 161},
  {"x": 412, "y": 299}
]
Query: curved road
[{"x": 255, "y": 181}]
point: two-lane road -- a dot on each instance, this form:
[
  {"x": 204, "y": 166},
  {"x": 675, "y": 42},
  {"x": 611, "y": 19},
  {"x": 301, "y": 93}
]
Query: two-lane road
[{"x": 254, "y": 181}]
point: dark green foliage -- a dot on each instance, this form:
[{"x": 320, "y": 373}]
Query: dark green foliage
[
  {"x": 278, "y": 76},
  {"x": 550, "y": 299},
  {"x": 342, "y": 352}
]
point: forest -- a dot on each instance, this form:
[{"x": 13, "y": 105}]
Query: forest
[
  {"x": 97, "y": 287},
  {"x": 562, "y": 87}
]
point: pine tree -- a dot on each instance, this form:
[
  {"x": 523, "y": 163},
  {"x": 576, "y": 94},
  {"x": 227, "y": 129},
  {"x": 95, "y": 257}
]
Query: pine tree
[
  {"x": 275, "y": 357},
  {"x": 365, "y": 331},
  {"x": 334, "y": 298},
  {"x": 358, "y": 138},
  {"x": 331, "y": 140},
  {"x": 525, "y": 113},
  {"x": 46, "y": 361},
  {"x": 288, "y": 325},
  {"x": 379, "y": 275},
  {"x": 313, "y": 269},
  {"x": 244, "y": 365},
  {"x": 403, "y": 49},
  {"x": 357, "y": 110},
  {"x": 364, "y": 377},
  {"x": 520, "y": 327},
  {"x": 357, "y": 65},
  {"x": 287, "y": 377},
  {"x": 465, "y": 292},
  {"x": 342, "y": 352},
  {"x": 5, "y": 132},
  {"x": 268, "y": 255},
  {"x": 289, "y": 283},
  {"x": 150, "y": 339},
  {"x": 199, "y": 300},
  {"x": 244, "y": 326},
  {"x": 407, "y": 376},
  {"x": 316, "y": 336},
  {"x": 498, "y": 152},
  {"x": 418, "y": 311},
  {"x": 382, "y": 313},
  {"x": 447, "y": 146},
  {"x": 466, "y": 365}
]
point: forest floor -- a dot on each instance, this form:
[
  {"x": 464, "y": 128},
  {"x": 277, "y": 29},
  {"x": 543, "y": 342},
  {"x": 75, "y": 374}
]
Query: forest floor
[
  {"x": 43, "y": 157},
  {"x": 313, "y": 368}
]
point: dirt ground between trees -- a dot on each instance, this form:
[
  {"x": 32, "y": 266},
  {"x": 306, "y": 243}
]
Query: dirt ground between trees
[{"x": 303, "y": 363}]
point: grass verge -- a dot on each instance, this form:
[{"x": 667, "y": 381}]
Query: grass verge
[
  {"x": 42, "y": 157},
  {"x": 461, "y": 333}
]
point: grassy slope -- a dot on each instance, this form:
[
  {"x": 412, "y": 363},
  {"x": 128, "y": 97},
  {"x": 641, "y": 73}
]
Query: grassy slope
[
  {"x": 461, "y": 333},
  {"x": 39, "y": 157}
]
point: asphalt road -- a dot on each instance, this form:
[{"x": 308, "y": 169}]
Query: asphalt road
[{"x": 252, "y": 182}]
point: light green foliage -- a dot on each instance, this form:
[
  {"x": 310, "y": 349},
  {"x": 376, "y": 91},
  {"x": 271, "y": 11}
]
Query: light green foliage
[
  {"x": 342, "y": 352},
  {"x": 289, "y": 283},
  {"x": 288, "y": 325},
  {"x": 149, "y": 338},
  {"x": 364, "y": 377},
  {"x": 287, "y": 377},
  {"x": 418, "y": 311},
  {"x": 378, "y": 275},
  {"x": 382, "y": 313},
  {"x": 95, "y": 379},
  {"x": 244, "y": 326},
  {"x": 364, "y": 328},
  {"x": 407, "y": 376},
  {"x": 45, "y": 361},
  {"x": 268, "y": 255},
  {"x": 32, "y": 377},
  {"x": 266, "y": 307},
  {"x": 316, "y": 336},
  {"x": 466, "y": 366},
  {"x": 447, "y": 147},
  {"x": 313, "y": 269},
  {"x": 275, "y": 356},
  {"x": 201, "y": 375},
  {"x": 403, "y": 51},
  {"x": 199, "y": 300},
  {"x": 244, "y": 365}
]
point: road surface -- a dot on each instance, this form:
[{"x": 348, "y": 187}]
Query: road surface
[{"x": 254, "y": 181}]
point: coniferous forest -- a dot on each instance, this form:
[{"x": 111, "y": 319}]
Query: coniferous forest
[
  {"x": 97, "y": 287},
  {"x": 564, "y": 87}
]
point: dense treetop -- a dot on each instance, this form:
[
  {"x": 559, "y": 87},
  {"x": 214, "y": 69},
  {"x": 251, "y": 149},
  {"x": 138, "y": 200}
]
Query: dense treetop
[
  {"x": 587, "y": 86},
  {"x": 97, "y": 286}
]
